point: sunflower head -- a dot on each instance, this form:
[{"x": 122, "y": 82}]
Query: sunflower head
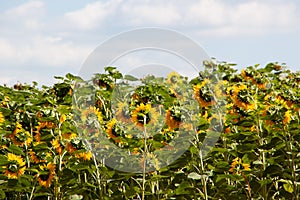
[
  {"x": 16, "y": 167},
  {"x": 20, "y": 137},
  {"x": 46, "y": 174},
  {"x": 173, "y": 117},
  {"x": 84, "y": 155},
  {"x": 203, "y": 94},
  {"x": 242, "y": 98},
  {"x": 141, "y": 114},
  {"x": 238, "y": 165},
  {"x": 57, "y": 146},
  {"x": 174, "y": 78}
]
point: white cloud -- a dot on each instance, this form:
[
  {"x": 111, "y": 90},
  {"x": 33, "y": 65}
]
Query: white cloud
[
  {"x": 26, "y": 16},
  {"x": 32, "y": 35},
  {"x": 150, "y": 13},
  {"x": 93, "y": 14},
  {"x": 7, "y": 50},
  {"x": 244, "y": 18}
]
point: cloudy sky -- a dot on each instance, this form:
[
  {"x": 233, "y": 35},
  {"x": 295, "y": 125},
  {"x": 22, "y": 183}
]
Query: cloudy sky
[{"x": 42, "y": 39}]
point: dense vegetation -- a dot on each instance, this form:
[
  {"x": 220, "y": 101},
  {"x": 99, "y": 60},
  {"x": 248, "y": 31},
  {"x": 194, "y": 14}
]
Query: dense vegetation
[{"x": 254, "y": 114}]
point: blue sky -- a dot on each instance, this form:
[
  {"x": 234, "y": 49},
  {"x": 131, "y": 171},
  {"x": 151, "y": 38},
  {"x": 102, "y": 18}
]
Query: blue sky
[{"x": 43, "y": 39}]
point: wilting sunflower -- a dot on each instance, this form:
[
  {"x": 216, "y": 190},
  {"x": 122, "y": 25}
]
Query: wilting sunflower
[
  {"x": 46, "y": 174},
  {"x": 237, "y": 165},
  {"x": 143, "y": 112},
  {"x": 123, "y": 113},
  {"x": 173, "y": 117},
  {"x": 16, "y": 167},
  {"x": 241, "y": 97},
  {"x": 203, "y": 94},
  {"x": 2, "y": 119}
]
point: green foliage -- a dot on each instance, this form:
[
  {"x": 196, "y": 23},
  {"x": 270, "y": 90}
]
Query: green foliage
[{"x": 43, "y": 154}]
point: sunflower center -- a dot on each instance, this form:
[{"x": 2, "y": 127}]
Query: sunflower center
[
  {"x": 13, "y": 168},
  {"x": 205, "y": 95},
  {"x": 141, "y": 117},
  {"x": 44, "y": 177},
  {"x": 243, "y": 96}
]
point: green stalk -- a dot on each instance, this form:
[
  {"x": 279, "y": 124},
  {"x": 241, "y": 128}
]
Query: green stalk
[{"x": 145, "y": 156}]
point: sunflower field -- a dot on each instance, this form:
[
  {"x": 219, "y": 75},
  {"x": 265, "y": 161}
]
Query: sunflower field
[{"x": 226, "y": 134}]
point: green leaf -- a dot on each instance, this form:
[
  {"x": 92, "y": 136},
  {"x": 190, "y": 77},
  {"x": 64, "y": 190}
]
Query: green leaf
[
  {"x": 194, "y": 176},
  {"x": 15, "y": 150},
  {"x": 288, "y": 187},
  {"x": 130, "y": 78}
]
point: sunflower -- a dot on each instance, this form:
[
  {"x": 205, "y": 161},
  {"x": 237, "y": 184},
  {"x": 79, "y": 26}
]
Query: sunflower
[
  {"x": 248, "y": 75},
  {"x": 16, "y": 167},
  {"x": 241, "y": 97},
  {"x": 69, "y": 136},
  {"x": 57, "y": 146},
  {"x": 123, "y": 113},
  {"x": 173, "y": 118},
  {"x": 62, "y": 118},
  {"x": 46, "y": 174},
  {"x": 39, "y": 157},
  {"x": 85, "y": 155},
  {"x": 238, "y": 165},
  {"x": 174, "y": 78},
  {"x": 70, "y": 148},
  {"x": 85, "y": 114},
  {"x": 20, "y": 137},
  {"x": 141, "y": 113},
  {"x": 110, "y": 128},
  {"x": 2, "y": 119},
  {"x": 42, "y": 125},
  {"x": 203, "y": 94},
  {"x": 287, "y": 117},
  {"x": 5, "y": 101}
]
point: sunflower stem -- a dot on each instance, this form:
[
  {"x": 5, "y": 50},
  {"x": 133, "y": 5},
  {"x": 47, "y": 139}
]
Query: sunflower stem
[{"x": 145, "y": 156}]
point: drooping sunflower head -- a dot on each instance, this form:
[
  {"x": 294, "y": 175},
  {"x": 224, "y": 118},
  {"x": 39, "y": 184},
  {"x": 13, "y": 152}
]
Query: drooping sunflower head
[
  {"x": 16, "y": 166},
  {"x": 203, "y": 94},
  {"x": 46, "y": 174}
]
